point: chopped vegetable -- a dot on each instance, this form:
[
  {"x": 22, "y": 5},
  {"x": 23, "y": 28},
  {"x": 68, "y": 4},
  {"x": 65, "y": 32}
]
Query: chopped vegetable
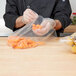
[
  {"x": 22, "y": 42},
  {"x": 35, "y": 27}
]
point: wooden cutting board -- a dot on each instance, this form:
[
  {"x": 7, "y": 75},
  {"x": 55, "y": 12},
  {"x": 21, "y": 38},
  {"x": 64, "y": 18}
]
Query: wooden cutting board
[
  {"x": 70, "y": 29},
  {"x": 52, "y": 59}
]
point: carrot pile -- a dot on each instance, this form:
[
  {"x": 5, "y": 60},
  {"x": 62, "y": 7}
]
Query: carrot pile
[
  {"x": 35, "y": 27},
  {"x": 22, "y": 42}
]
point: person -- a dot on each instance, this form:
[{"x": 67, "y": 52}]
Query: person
[{"x": 18, "y": 13}]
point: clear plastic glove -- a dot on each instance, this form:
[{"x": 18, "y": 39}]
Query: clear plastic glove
[
  {"x": 47, "y": 25},
  {"x": 29, "y": 16}
]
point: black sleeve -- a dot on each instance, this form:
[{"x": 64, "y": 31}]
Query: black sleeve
[
  {"x": 11, "y": 14},
  {"x": 62, "y": 13}
]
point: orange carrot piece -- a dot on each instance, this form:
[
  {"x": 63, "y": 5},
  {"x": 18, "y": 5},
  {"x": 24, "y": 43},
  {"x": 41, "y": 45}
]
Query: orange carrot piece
[
  {"x": 35, "y": 27},
  {"x": 40, "y": 43},
  {"x": 22, "y": 42}
]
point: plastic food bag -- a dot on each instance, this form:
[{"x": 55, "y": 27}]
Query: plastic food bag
[
  {"x": 26, "y": 33},
  {"x": 71, "y": 41}
]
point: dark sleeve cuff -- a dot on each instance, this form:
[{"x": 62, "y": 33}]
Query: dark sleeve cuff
[
  {"x": 10, "y": 21},
  {"x": 63, "y": 25},
  {"x": 13, "y": 23},
  {"x": 61, "y": 19}
]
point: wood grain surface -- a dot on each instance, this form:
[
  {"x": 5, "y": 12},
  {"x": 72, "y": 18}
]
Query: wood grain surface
[
  {"x": 70, "y": 29},
  {"x": 52, "y": 59}
]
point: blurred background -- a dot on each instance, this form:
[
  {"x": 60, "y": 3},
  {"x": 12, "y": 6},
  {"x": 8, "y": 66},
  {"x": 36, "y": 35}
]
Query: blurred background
[{"x": 5, "y": 31}]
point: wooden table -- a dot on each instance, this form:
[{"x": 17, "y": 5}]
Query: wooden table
[
  {"x": 70, "y": 29},
  {"x": 52, "y": 59}
]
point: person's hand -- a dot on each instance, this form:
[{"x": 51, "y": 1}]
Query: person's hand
[
  {"x": 29, "y": 16},
  {"x": 47, "y": 25}
]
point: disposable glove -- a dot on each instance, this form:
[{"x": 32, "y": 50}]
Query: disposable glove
[
  {"x": 29, "y": 16},
  {"x": 47, "y": 25}
]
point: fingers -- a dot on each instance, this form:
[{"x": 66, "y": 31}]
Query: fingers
[
  {"x": 29, "y": 16},
  {"x": 38, "y": 33},
  {"x": 32, "y": 13},
  {"x": 47, "y": 25},
  {"x": 51, "y": 21},
  {"x": 43, "y": 31},
  {"x": 44, "y": 23}
]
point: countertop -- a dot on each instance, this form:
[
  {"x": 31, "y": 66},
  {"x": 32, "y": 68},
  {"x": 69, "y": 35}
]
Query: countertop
[
  {"x": 70, "y": 29},
  {"x": 52, "y": 59}
]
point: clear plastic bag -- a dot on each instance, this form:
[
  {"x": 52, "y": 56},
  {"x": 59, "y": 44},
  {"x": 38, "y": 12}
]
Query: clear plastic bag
[
  {"x": 27, "y": 31},
  {"x": 26, "y": 37},
  {"x": 70, "y": 41}
]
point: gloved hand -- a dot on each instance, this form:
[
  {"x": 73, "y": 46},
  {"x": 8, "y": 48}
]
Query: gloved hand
[
  {"x": 47, "y": 25},
  {"x": 29, "y": 16}
]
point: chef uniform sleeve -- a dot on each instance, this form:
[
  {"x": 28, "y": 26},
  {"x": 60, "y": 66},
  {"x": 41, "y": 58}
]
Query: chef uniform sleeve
[
  {"x": 62, "y": 13},
  {"x": 11, "y": 14}
]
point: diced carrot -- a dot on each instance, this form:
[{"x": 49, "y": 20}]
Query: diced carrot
[
  {"x": 35, "y": 27},
  {"x": 40, "y": 43},
  {"x": 22, "y": 45},
  {"x": 34, "y": 45},
  {"x": 22, "y": 42}
]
